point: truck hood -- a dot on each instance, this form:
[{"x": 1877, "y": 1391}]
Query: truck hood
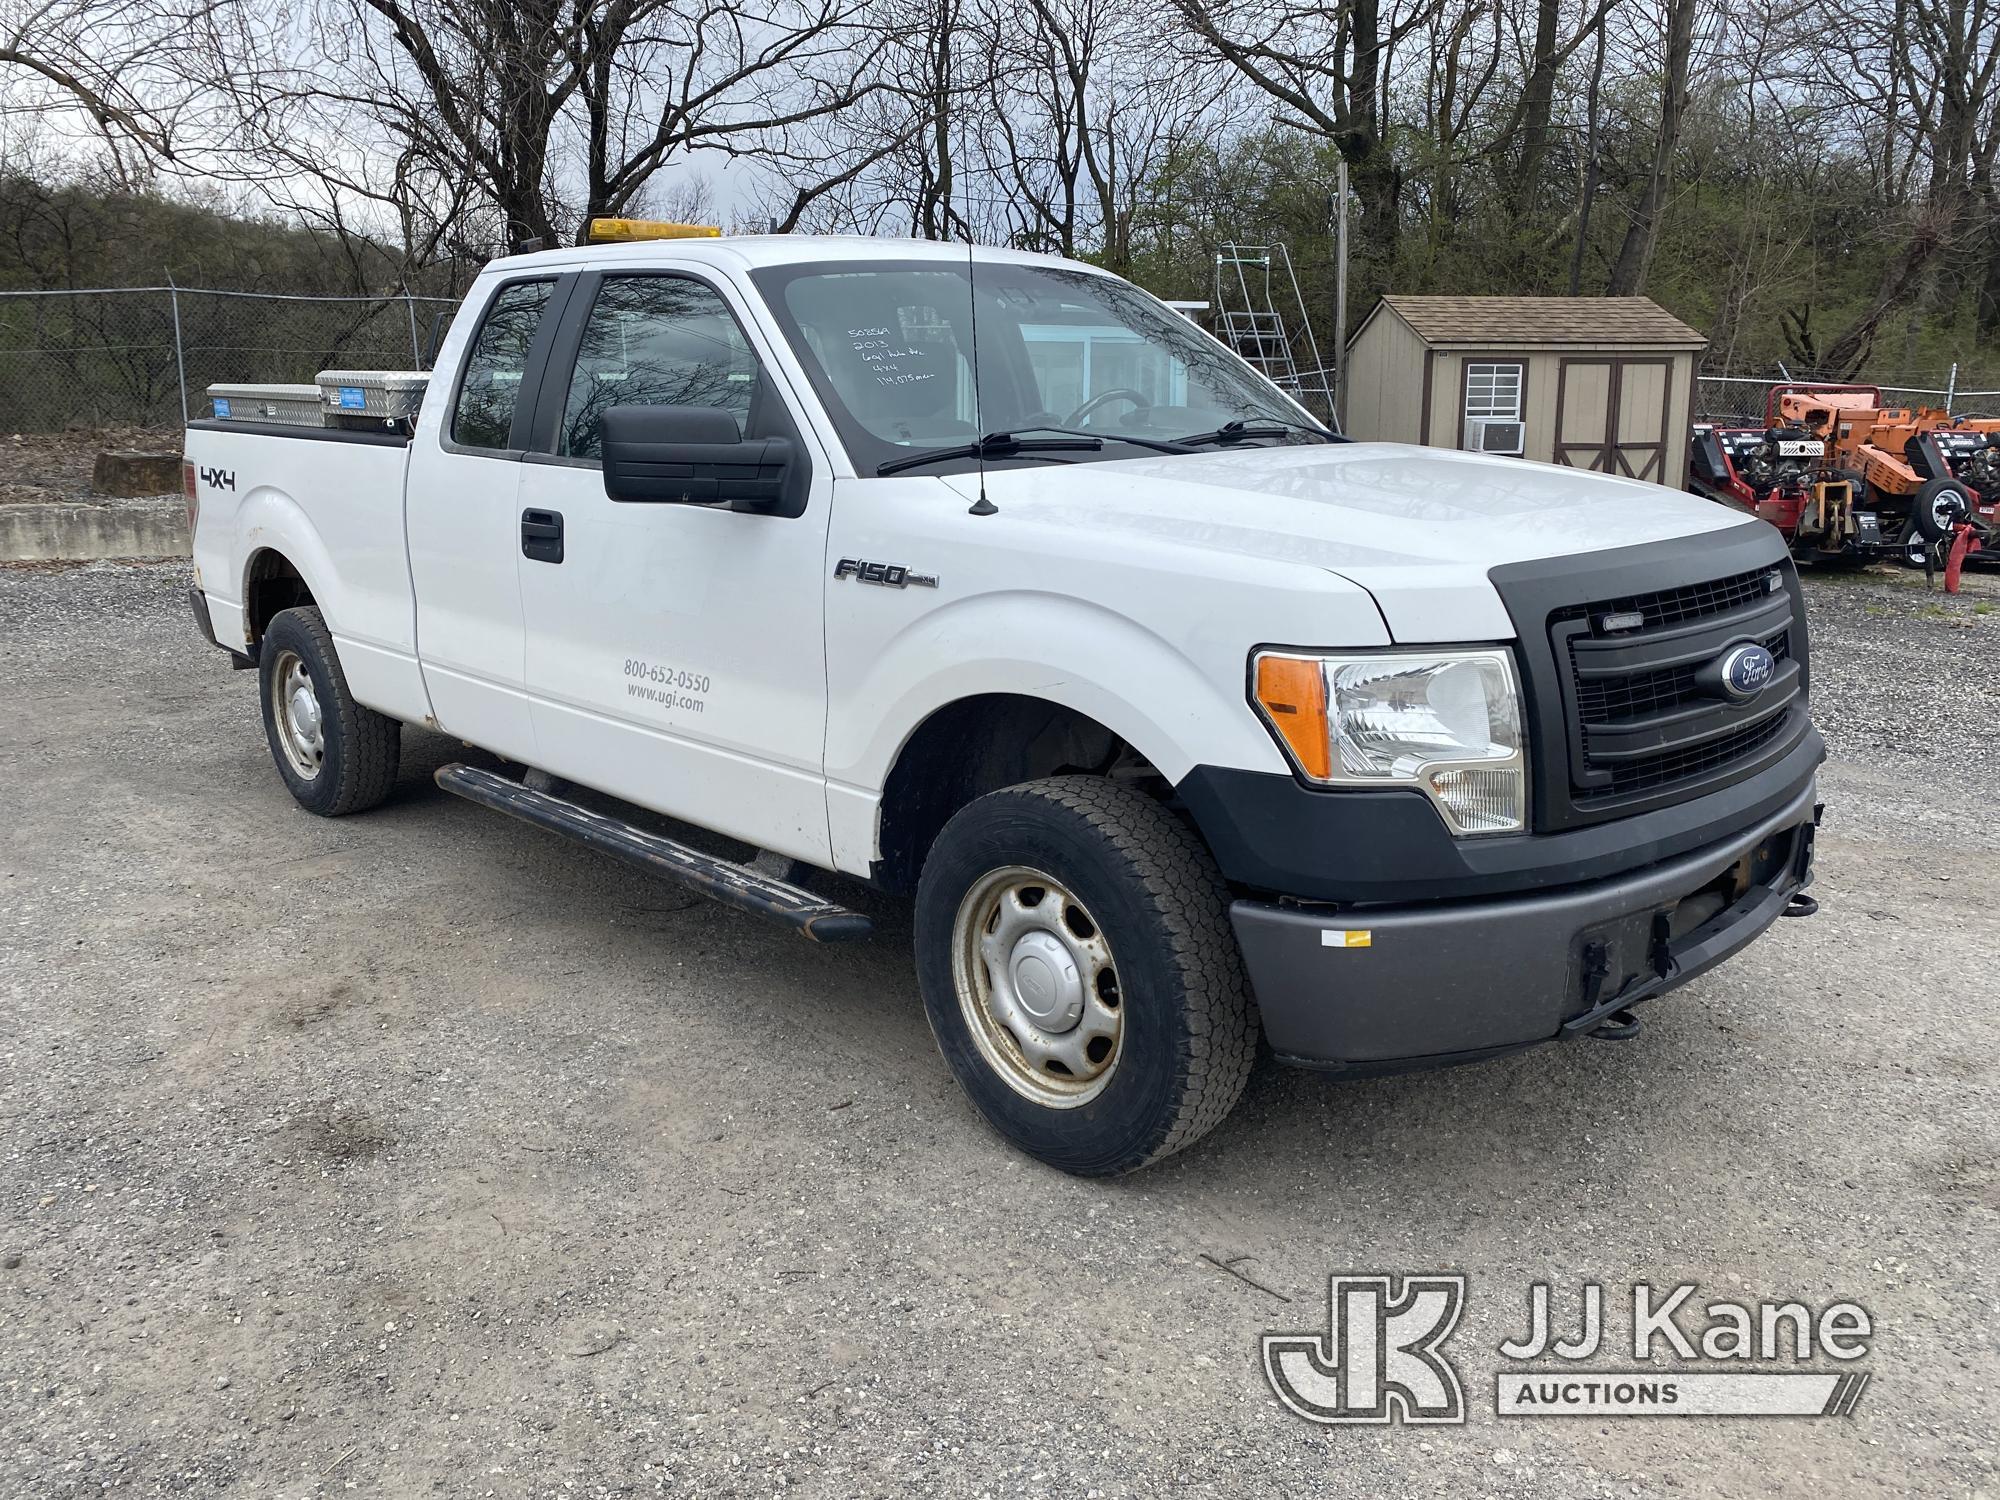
[{"x": 1417, "y": 527}]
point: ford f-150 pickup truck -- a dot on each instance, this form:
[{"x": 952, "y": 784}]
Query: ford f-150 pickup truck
[{"x": 986, "y": 578}]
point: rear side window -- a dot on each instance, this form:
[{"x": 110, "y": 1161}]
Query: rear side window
[
  {"x": 490, "y": 390},
  {"x": 656, "y": 341}
]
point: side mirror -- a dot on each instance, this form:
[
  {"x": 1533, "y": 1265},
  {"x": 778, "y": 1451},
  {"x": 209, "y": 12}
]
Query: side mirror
[{"x": 691, "y": 455}]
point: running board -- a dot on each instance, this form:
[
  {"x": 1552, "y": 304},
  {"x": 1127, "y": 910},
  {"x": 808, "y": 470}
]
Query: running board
[{"x": 733, "y": 885}]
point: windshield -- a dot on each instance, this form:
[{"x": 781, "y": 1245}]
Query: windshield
[{"x": 889, "y": 347}]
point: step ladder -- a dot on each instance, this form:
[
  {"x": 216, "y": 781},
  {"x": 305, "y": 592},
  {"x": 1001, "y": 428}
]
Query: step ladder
[{"x": 1260, "y": 312}]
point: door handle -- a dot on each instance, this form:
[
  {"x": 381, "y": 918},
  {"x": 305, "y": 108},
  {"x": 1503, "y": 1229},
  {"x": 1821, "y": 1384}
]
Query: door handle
[{"x": 542, "y": 535}]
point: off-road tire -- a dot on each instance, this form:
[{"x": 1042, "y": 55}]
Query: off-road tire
[
  {"x": 362, "y": 747},
  {"x": 1190, "y": 1029},
  {"x": 1924, "y": 506}
]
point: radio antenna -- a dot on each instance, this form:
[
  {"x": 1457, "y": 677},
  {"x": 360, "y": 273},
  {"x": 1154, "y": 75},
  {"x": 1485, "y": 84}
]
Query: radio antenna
[{"x": 982, "y": 506}]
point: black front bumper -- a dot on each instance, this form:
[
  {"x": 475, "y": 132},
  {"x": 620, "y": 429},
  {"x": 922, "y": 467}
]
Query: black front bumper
[
  {"x": 1394, "y": 987},
  {"x": 1269, "y": 833}
]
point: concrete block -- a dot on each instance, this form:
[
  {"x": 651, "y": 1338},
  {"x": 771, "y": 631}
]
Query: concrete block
[
  {"x": 82, "y": 533},
  {"x": 127, "y": 472}
]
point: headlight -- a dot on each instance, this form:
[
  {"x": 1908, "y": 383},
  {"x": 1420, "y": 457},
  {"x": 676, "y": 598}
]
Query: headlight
[{"x": 1445, "y": 722}]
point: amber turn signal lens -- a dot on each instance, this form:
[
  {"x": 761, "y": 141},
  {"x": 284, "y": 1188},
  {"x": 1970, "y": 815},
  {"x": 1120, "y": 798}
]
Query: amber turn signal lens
[{"x": 1292, "y": 693}]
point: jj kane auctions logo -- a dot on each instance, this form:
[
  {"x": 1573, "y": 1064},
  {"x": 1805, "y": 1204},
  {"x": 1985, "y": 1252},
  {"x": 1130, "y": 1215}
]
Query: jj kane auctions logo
[{"x": 1381, "y": 1358}]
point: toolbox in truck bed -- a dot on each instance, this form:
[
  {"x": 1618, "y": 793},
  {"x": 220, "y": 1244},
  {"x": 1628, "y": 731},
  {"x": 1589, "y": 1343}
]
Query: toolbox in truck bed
[
  {"x": 385, "y": 395},
  {"x": 288, "y": 405}
]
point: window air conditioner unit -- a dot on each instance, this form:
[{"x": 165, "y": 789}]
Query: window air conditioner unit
[{"x": 1503, "y": 435}]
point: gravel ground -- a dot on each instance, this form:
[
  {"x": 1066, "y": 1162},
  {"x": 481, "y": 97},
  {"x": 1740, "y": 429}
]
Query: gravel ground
[{"x": 417, "y": 1153}]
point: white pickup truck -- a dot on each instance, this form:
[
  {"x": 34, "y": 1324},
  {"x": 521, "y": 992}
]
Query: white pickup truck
[{"x": 988, "y": 578}]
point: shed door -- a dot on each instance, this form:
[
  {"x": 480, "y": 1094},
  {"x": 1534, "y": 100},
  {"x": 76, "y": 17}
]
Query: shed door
[{"x": 1611, "y": 415}]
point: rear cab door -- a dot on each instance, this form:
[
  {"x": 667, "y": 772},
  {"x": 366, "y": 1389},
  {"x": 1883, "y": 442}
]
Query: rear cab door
[
  {"x": 675, "y": 653},
  {"x": 462, "y": 512}
]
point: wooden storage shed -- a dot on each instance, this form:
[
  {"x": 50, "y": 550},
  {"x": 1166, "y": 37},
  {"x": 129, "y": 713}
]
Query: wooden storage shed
[{"x": 1595, "y": 382}]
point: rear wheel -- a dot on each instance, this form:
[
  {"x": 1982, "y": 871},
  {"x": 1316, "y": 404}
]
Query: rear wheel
[
  {"x": 1080, "y": 973},
  {"x": 336, "y": 757},
  {"x": 1911, "y": 548},
  {"x": 1938, "y": 508}
]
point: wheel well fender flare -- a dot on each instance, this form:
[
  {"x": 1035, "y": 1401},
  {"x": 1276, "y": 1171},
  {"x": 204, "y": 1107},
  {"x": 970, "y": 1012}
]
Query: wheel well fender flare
[
  {"x": 280, "y": 543},
  {"x": 1075, "y": 657}
]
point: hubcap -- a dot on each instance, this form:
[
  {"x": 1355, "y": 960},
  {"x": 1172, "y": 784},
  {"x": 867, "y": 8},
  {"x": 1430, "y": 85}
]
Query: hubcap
[
  {"x": 295, "y": 707},
  {"x": 1038, "y": 987}
]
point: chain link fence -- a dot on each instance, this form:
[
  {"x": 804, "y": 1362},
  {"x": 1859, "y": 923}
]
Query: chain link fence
[
  {"x": 1732, "y": 401},
  {"x": 145, "y": 356}
]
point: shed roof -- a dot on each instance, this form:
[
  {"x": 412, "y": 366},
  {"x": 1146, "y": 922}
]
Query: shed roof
[{"x": 1491, "y": 321}]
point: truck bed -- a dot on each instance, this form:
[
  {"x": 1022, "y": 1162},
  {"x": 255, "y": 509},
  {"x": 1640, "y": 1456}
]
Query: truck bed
[{"x": 313, "y": 494}]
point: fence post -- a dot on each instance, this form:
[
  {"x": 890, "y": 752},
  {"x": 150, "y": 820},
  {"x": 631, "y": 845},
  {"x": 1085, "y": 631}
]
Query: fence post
[
  {"x": 410, "y": 306},
  {"x": 180, "y": 359},
  {"x": 1951, "y": 389}
]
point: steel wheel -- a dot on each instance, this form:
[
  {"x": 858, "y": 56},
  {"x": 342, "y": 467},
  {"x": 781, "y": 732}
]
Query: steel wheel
[
  {"x": 1914, "y": 548},
  {"x": 1080, "y": 973},
  {"x": 295, "y": 707},
  {"x": 1038, "y": 987}
]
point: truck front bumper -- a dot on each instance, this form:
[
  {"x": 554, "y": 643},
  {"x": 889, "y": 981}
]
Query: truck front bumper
[{"x": 1380, "y": 989}]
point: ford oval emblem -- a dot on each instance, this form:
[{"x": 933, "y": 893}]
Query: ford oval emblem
[{"x": 1747, "y": 671}]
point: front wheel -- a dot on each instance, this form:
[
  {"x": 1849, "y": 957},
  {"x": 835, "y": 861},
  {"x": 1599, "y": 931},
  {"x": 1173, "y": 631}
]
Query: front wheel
[
  {"x": 336, "y": 756},
  {"x": 1911, "y": 548},
  {"x": 1080, "y": 974}
]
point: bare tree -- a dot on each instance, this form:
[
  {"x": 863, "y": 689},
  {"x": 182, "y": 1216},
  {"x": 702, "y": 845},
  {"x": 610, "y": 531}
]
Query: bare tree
[
  {"x": 1089, "y": 102},
  {"x": 520, "y": 119},
  {"x": 127, "y": 67},
  {"x": 1524, "y": 138},
  {"x": 1586, "y": 197},
  {"x": 1806, "y": 178},
  {"x": 1941, "y": 62},
  {"x": 1642, "y": 235},
  {"x": 1329, "y": 68}
]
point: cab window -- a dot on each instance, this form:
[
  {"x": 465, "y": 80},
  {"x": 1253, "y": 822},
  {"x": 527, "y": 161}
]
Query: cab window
[
  {"x": 489, "y": 392},
  {"x": 656, "y": 341}
]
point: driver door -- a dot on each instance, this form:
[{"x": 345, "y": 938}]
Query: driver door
[{"x": 675, "y": 652}]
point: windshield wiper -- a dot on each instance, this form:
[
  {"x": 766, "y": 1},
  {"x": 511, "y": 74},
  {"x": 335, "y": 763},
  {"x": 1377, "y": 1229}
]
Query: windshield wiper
[
  {"x": 993, "y": 445},
  {"x": 1239, "y": 432},
  {"x": 1158, "y": 445}
]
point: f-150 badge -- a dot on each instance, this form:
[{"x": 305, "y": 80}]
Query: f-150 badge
[{"x": 884, "y": 575}]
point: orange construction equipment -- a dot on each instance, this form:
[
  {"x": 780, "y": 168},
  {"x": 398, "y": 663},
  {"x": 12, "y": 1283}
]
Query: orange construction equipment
[{"x": 1923, "y": 471}]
